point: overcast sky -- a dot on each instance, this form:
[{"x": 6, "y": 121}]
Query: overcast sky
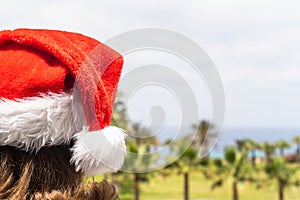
[{"x": 255, "y": 45}]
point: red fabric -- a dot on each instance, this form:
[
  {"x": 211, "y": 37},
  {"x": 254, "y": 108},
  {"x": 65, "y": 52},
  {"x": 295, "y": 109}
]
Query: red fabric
[{"x": 39, "y": 61}]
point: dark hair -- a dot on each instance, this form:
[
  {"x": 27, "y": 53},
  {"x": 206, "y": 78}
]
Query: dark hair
[{"x": 46, "y": 174}]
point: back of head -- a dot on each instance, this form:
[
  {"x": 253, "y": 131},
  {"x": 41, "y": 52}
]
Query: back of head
[{"x": 57, "y": 91}]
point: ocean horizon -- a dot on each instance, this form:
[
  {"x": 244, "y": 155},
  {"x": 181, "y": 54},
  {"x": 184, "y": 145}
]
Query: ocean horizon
[{"x": 228, "y": 136}]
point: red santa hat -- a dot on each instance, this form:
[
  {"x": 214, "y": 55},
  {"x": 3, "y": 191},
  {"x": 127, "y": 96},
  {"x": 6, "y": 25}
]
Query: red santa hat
[{"x": 56, "y": 87}]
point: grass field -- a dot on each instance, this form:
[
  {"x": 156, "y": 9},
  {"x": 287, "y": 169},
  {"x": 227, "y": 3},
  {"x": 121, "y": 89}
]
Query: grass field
[{"x": 171, "y": 188}]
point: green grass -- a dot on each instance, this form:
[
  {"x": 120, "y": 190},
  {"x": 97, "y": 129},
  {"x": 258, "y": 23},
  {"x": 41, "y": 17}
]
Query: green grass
[{"x": 171, "y": 188}]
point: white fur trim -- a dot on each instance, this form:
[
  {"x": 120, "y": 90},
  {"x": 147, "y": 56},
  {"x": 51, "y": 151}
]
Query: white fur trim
[
  {"x": 35, "y": 122},
  {"x": 99, "y": 152}
]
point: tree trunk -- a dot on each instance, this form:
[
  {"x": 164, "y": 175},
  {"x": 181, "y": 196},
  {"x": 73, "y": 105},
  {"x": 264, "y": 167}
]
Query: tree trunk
[
  {"x": 280, "y": 190},
  {"x": 136, "y": 186},
  {"x": 235, "y": 195},
  {"x": 186, "y": 186}
]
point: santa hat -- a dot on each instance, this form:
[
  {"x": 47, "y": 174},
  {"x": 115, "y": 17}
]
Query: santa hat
[{"x": 56, "y": 87}]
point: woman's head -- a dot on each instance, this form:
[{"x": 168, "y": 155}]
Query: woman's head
[
  {"x": 46, "y": 174},
  {"x": 57, "y": 90}
]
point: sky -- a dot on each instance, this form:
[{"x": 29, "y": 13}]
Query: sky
[{"x": 254, "y": 45}]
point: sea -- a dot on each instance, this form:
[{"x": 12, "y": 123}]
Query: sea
[{"x": 228, "y": 136}]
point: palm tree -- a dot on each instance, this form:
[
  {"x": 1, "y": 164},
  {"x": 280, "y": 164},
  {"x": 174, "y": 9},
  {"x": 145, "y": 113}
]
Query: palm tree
[
  {"x": 281, "y": 145},
  {"x": 137, "y": 162},
  {"x": 187, "y": 162},
  {"x": 269, "y": 151},
  {"x": 248, "y": 146},
  {"x": 254, "y": 146},
  {"x": 233, "y": 167},
  {"x": 297, "y": 141},
  {"x": 139, "y": 144},
  {"x": 284, "y": 175},
  {"x": 242, "y": 145},
  {"x": 204, "y": 135},
  {"x": 143, "y": 136}
]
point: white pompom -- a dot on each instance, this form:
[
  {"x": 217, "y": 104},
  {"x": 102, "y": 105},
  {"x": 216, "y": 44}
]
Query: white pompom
[{"x": 99, "y": 152}]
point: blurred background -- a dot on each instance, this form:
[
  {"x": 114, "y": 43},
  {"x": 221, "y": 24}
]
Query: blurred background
[{"x": 255, "y": 47}]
